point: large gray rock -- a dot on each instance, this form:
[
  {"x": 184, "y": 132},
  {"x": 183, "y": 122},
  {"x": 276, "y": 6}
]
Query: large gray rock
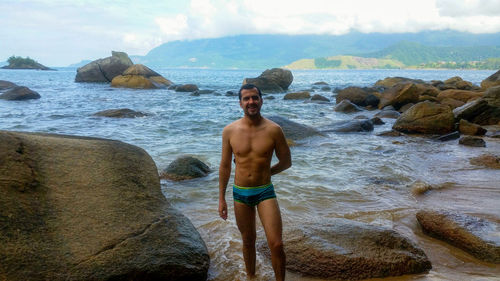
[
  {"x": 78, "y": 208},
  {"x": 4, "y": 85},
  {"x": 348, "y": 250},
  {"x": 272, "y": 80},
  {"x": 104, "y": 70},
  {"x": 19, "y": 93},
  {"x": 297, "y": 96},
  {"x": 294, "y": 131},
  {"x": 350, "y": 126},
  {"x": 346, "y": 106},
  {"x": 426, "y": 118},
  {"x": 185, "y": 167},
  {"x": 356, "y": 95},
  {"x": 475, "y": 235}
]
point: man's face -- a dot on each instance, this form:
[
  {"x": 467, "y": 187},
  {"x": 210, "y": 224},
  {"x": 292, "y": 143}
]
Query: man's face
[{"x": 251, "y": 102}]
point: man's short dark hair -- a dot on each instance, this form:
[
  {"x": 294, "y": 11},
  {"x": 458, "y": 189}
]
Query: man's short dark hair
[{"x": 249, "y": 87}]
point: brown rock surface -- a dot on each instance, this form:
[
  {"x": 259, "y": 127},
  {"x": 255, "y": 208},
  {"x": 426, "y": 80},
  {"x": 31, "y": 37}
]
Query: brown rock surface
[
  {"x": 467, "y": 128},
  {"x": 19, "y": 93},
  {"x": 399, "y": 95},
  {"x": 492, "y": 81},
  {"x": 79, "y": 208},
  {"x": 460, "y": 95},
  {"x": 272, "y": 80},
  {"x": 487, "y": 160},
  {"x": 185, "y": 167},
  {"x": 427, "y": 118},
  {"x": 392, "y": 81},
  {"x": 349, "y": 250},
  {"x": 477, "y": 236},
  {"x": 297, "y": 96},
  {"x": 139, "y": 76}
]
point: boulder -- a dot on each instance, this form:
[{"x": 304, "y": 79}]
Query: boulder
[
  {"x": 104, "y": 70},
  {"x": 399, "y": 95},
  {"x": 343, "y": 249},
  {"x": 427, "y": 90},
  {"x": 476, "y": 236},
  {"x": 460, "y": 95},
  {"x": 390, "y": 82},
  {"x": 471, "y": 109},
  {"x": 457, "y": 83},
  {"x": 187, "y": 88},
  {"x": 492, "y": 81},
  {"x": 294, "y": 131},
  {"x": 81, "y": 208},
  {"x": 427, "y": 118},
  {"x": 319, "y": 98},
  {"x": 467, "y": 128},
  {"x": 346, "y": 106},
  {"x": 184, "y": 168},
  {"x": 486, "y": 160},
  {"x": 356, "y": 95},
  {"x": 452, "y": 103},
  {"x": 120, "y": 113},
  {"x": 472, "y": 141},
  {"x": 391, "y": 133},
  {"x": 19, "y": 93},
  {"x": 297, "y": 96},
  {"x": 320, "y": 83},
  {"x": 272, "y": 80},
  {"x": 4, "y": 85},
  {"x": 139, "y": 76},
  {"x": 350, "y": 126}
]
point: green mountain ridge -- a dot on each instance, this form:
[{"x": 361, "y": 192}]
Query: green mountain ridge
[{"x": 275, "y": 50}]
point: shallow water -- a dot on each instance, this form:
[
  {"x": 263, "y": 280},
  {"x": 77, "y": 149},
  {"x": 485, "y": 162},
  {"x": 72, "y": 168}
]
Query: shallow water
[{"x": 358, "y": 176}]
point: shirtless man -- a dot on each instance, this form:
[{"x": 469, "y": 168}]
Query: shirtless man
[{"x": 253, "y": 139}]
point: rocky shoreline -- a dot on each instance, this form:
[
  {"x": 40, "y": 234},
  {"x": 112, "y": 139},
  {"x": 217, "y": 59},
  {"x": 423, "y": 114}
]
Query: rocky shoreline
[{"x": 341, "y": 249}]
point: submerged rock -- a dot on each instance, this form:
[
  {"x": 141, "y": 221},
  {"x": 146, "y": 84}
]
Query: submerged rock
[
  {"x": 472, "y": 141},
  {"x": 186, "y": 88},
  {"x": 486, "y": 160},
  {"x": 104, "y": 70},
  {"x": 476, "y": 236},
  {"x": 4, "y": 85},
  {"x": 349, "y": 250},
  {"x": 350, "y": 126},
  {"x": 120, "y": 113},
  {"x": 185, "y": 167},
  {"x": 294, "y": 131},
  {"x": 319, "y": 98},
  {"x": 19, "y": 93},
  {"x": 81, "y": 208}
]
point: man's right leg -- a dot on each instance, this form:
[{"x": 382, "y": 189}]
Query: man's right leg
[{"x": 245, "y": 219}]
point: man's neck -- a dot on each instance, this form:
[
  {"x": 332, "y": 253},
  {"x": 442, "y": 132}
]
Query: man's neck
[{"x": 255, "y": 120}]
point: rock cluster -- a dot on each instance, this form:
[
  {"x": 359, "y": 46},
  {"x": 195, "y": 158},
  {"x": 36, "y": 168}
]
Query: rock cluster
[
  {"x": 139, "y": 76},
  {"x": 79, "y": 208},
  {"x": 104, "y": 70}
]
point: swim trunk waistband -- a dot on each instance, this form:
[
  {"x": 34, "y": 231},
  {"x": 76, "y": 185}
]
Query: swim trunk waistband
[{"x": 252, "y": 196}]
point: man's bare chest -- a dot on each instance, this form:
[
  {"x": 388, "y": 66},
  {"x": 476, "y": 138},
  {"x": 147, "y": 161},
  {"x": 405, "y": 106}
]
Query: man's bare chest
[{"x": 252, "y": 143}]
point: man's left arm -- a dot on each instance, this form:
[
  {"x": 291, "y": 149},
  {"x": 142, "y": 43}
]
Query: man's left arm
[{"x": 282, "y": 153}]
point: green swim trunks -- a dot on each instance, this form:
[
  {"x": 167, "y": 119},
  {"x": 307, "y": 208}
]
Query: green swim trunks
[{"x": 252, "y": 196}]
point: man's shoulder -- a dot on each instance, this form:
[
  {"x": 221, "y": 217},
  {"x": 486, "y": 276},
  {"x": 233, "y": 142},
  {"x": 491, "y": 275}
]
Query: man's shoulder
[
  {"x": 233, "y": 125},
  {"x": 272, "y": 125}
]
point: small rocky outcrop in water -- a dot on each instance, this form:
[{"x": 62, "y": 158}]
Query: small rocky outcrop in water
[
  {"x": 392, "y": 81},
  {"x": 185, "y": 167},
  {"x": 120, "y": 113},
  {"x": 476, "y": 236},
  {"x": 272, "y": 80},
  {"x": 349, "y": 250},
  {"x": 345, "y": 106},
  {"x": 14, "y": 92},
  {"x": 80, "y": 208},
  {"x": 426, "y": 118},
  {"x": 139, "y": 76},
  {"x": 350, "y": 126},
  {"x": 467, "y": 128},
  {"x": 297, "y": 96},
  {"x": 472, "y": 141},
  {"x": 492, "y": 81},
  {"x": 358, "y": 96},
  {"x": 294, "y": 131},
  {"x": 24, "y": 63},
  {"x": 486, "y": 160},
  {"x": 104, "y": 70},
  {"x": 186, "y": 88}
]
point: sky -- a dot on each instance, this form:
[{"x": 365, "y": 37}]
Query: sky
[{"x": 62, "y": 32}]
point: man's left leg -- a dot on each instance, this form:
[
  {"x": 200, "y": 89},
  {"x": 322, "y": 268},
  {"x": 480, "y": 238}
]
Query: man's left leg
[{"x": 270, "y": 216}]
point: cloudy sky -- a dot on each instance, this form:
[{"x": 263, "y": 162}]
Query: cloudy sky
[{"x": 60, "y": 32}]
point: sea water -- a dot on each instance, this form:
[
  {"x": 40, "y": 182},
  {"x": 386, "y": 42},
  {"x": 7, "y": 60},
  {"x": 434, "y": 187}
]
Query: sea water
[{"x": 358, "y": 176}]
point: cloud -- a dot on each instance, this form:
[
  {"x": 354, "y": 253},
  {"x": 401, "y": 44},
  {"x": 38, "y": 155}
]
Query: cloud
[{"x": 61, "y": 32}]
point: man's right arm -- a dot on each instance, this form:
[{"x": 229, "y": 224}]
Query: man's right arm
[{"x": 224, "y": 172}]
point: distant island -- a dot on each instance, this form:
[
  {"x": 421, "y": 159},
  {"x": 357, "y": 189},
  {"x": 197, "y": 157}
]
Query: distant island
[{"x": 24, "y": 63}]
